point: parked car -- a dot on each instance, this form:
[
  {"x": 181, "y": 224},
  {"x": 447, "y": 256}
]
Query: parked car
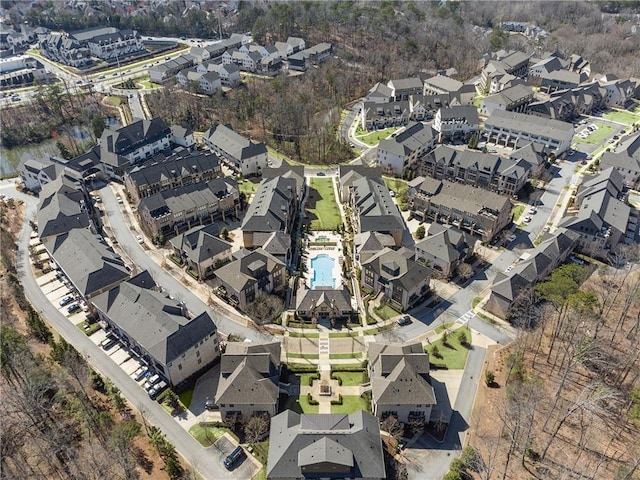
[
  {"x": 234, "y": 458},
  {"x": 66, "y": 300},
  {"x": 108, "y": 343},
  {"x": 139, "y": 239},
  {"x": 532, "y": 210},
  {"x": 508, "y": 269},
  {"x": 74, "y": 307},
  {"x": 157, "y": 389},
  {"x": 511, "y": 238},
  {"x": 151, "y": 381},
  {"x": 526, "y": 219},
  {"x": 576, "y": 260},
  {"x": 140, "y": 373},
  {"x": 404, "y": 320}
]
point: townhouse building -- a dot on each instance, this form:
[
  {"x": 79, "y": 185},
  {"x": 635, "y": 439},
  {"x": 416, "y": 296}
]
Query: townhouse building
[
  {"x": 512, "y": 64},
  {"x": 373, "y": 208},
  {"x": 324, "y": 304},
  {"x": 169, "y": 68},
  {"x": 456, "y": 122},
  {"x": 506, "y": 287},
  {"x": 250, "y": 274},
  {"x": 471, "y": 167},
  {"x": 400, "y": 153},
  {"x": 202, "y": 250},
  {"x": 171, "y": 211},
  {"x": 512, "y": 99},
  {"x": 64, "y": 206},
  {"x": 249, "y": 380},
  {"x": 403, "y": 88},
  {"x": 444, "y": 249},
  {"x": 131, "y": 144},
  {"x": 306, "y": 58},
  {"x": 506, "y": 128},
  {"x": 165, "y": 173},
  {"x": 159, "y": 330},
  {"x": 240, "y": 153},
  {"x": 400, "y": 381},
  {"x": 229, "y": 73},
  {"x": 626, "y": 160},
  {"x": 273, "y": 209},
  {"x": 403, "y": 282},
  {"x": 603, "y": 219},
  {"x": 466, "y": 207}
]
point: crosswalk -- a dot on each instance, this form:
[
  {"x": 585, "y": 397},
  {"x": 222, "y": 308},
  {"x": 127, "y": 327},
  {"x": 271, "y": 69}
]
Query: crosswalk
[
  {"x": 323, "y": 346},
  {"x": 464, "y": 319}
]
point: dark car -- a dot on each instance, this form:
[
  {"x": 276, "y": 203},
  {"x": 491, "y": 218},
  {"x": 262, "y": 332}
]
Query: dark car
[
  {"x": 74, "y": 307},
  {"x": 66, "y": 300},
  {"x": 234, "y": 458},
  {"x": 108, "y": 343},
  {"x": 404, "y": 320}
]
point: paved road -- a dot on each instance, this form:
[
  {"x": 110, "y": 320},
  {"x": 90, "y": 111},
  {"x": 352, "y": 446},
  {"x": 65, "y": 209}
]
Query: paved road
[
  {"x": 206, "y": 461},
  {"x": 177, "y": 289}
]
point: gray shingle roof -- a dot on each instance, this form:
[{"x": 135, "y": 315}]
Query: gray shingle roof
[
  {"x": 442, "y": 82},
  {"x": 464, "y": 197},
  {"x": 133, "y": 136},
  {"x": 61, "y": 208},
  {"x": 233, "y": 143},
  {"x": 87, "y": 261},
  {"x": 544, "y": 127},
  {"x": 374, "y": 206},
  {"x": 154, "y": 321},
  {"x": 324, "y": 444},
  {"x": 445, "y": 242},
  {"x": 308, "y": 299},
  {"x": 414, "y": 137},
  {"x": 181, "y": 164},
  {"x": 239, "y": 272},
  {"x": 249, "y": 374},
  {"x": 468, "y": 112},
  {"x": 201, "y": 243},
  {"x": 393, "y": 266},
  {"x": 270, "y": 206}
]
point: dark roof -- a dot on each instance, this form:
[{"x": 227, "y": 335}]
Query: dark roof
[
  {"x": 445, "y": 242},
  {"x": 397, "y": 268},
  {"x": 201, "y": 243},
  {"x": 309, "y": 299},
  {"x": 160, "y": 325},
  {"x": 400, "y": 374},
  {"x": 414, "y": 137},
  {"x": 62, "y": 208},
  {"x": 129, "y": 138},
  {"x": 87, "y": 261},
  {"x": 270, "y": 206},
  {"x": 234, "y": 144},
  {"x": 241, "y": 272},
  {"x": 323, "y": 444},
  {"x": 468, "y": 112},
  {"x": 520, "y": 122},
  {"x": 249, "y": 373},
  {"x": 177, "y": 165},
  {"x": 375, "y": 207},
  {"x": 288, "y": 171}
]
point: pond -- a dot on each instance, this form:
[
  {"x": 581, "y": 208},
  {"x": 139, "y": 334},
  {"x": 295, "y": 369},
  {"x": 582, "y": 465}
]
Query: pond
[{"x": 10, "y": 158}]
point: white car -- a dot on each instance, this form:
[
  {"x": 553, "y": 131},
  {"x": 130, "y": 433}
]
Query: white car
[
  {"x": 532, "y": 210},
  {"x": 509, "y": 268},
  {"x": 511, "y": 238},
  {"x": 139, "y": 239}
]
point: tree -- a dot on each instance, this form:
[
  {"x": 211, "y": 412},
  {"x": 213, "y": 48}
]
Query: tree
[
  {"x": 37, "y": 327},
  {"x": 465, "y": 271},
  {"x": 435, "y": 351},
  {"x": 97, "y": 125},
  {"x": 489, "y": 378},
  {"x": 172, "y": 400},
  {"x": 64, "y": 150},
  {"x": 224, "y": 233},
  {"x": 420, "y": 232},
  {"x": 393, "y": 427},
  {"x": 256, "y": 428},
  {"x": 462, "y": 337},
  {"x": 473, "y": 142}
]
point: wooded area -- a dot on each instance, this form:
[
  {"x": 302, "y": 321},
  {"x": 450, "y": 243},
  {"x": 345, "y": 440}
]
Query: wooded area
[{"x": 568, "y": 405}]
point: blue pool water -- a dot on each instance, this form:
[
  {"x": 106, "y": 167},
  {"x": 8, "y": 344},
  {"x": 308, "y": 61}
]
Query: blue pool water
[{"x": 322, "y": 266}]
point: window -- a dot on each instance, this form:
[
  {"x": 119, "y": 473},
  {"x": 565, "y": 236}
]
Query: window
[
  {"x": 199, "y": 361},
  {"x": 197, "y": 353},
  {"x": 179, "y": 366}
]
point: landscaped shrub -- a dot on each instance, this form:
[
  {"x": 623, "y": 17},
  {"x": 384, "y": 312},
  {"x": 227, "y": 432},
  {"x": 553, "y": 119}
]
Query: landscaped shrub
[
  {"x": 338, "y": 401},
  {"x": 313, "y": 377},
  {"x": 336, "y": 377},
  {"x": 311, "y": 400}
]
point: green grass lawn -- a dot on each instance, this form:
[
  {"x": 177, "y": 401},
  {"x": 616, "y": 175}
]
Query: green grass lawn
[
  {"x": 477, "y": 101},
  {"x": 622, "y": 116},
  {"x": 300, "y": 405},
  {"x": 308, "y": 356},
  {"x": 443, "y": 327},
  {"x": 148, "y": 84},
  {"x": 185, "y": 397},
  {"x": 344, "y": 356},
  {"x": 373, "y": 138},
  {"x": 208, "y": 435},
  {"x": 597, "y": 137},
  {"x": 373, "y": 331},
  {"x": 398, "y": 185},
  {"x": 113, "y": 101},
  {"x": 93, "y": 327},
  {"x": 516, "y": 212},
  {"x": 350, "y": 404},
  {"x": 248, "y": 187},
  {"x": 343, "y": 334},
  {"x": 453, "y": 356},
  {"x": 349, "y": 379},
  {"x": 261, "y": 451},
  {"x": 322, "y": 206},
  {"x": 385, "y": 312},
  {"x": 304, "y": 334},
  {"x": 261, "y": 475}
]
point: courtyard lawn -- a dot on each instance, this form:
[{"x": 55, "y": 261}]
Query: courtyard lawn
[
  {"x": 385, "y": 312},
  {"x": 400, "y": 188},
  {"x": 443, "y": 327},
  {"x": 207, "y": 436},
  {"x": 349, "y": 379},
  {"x": 248, "y": 187},
  {"x": 516, "y": 212},
  {"x": 374, "y": 138},
  {"x": 596, "y": 138},
  {"x": 321, "y": 205},
  {"x": 300, "y": 405},
  {"x": 261, "y": 451},
  {"x": 185, "y": 397},
  {"x": 350, "y": 404},
  {"x": 454, "y": 356},
  {"x": 113, "y": 101},
  {"x": 622, "y": 116}
]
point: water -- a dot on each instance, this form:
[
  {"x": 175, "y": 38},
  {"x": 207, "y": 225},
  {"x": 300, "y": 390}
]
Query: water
[
  {"x": 322, "y": 266},
  {"x": 10, "y": 158}
]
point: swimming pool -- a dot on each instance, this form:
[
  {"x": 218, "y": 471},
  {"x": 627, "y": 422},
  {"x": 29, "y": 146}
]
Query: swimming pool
[{"x": 322, "y": 265}]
